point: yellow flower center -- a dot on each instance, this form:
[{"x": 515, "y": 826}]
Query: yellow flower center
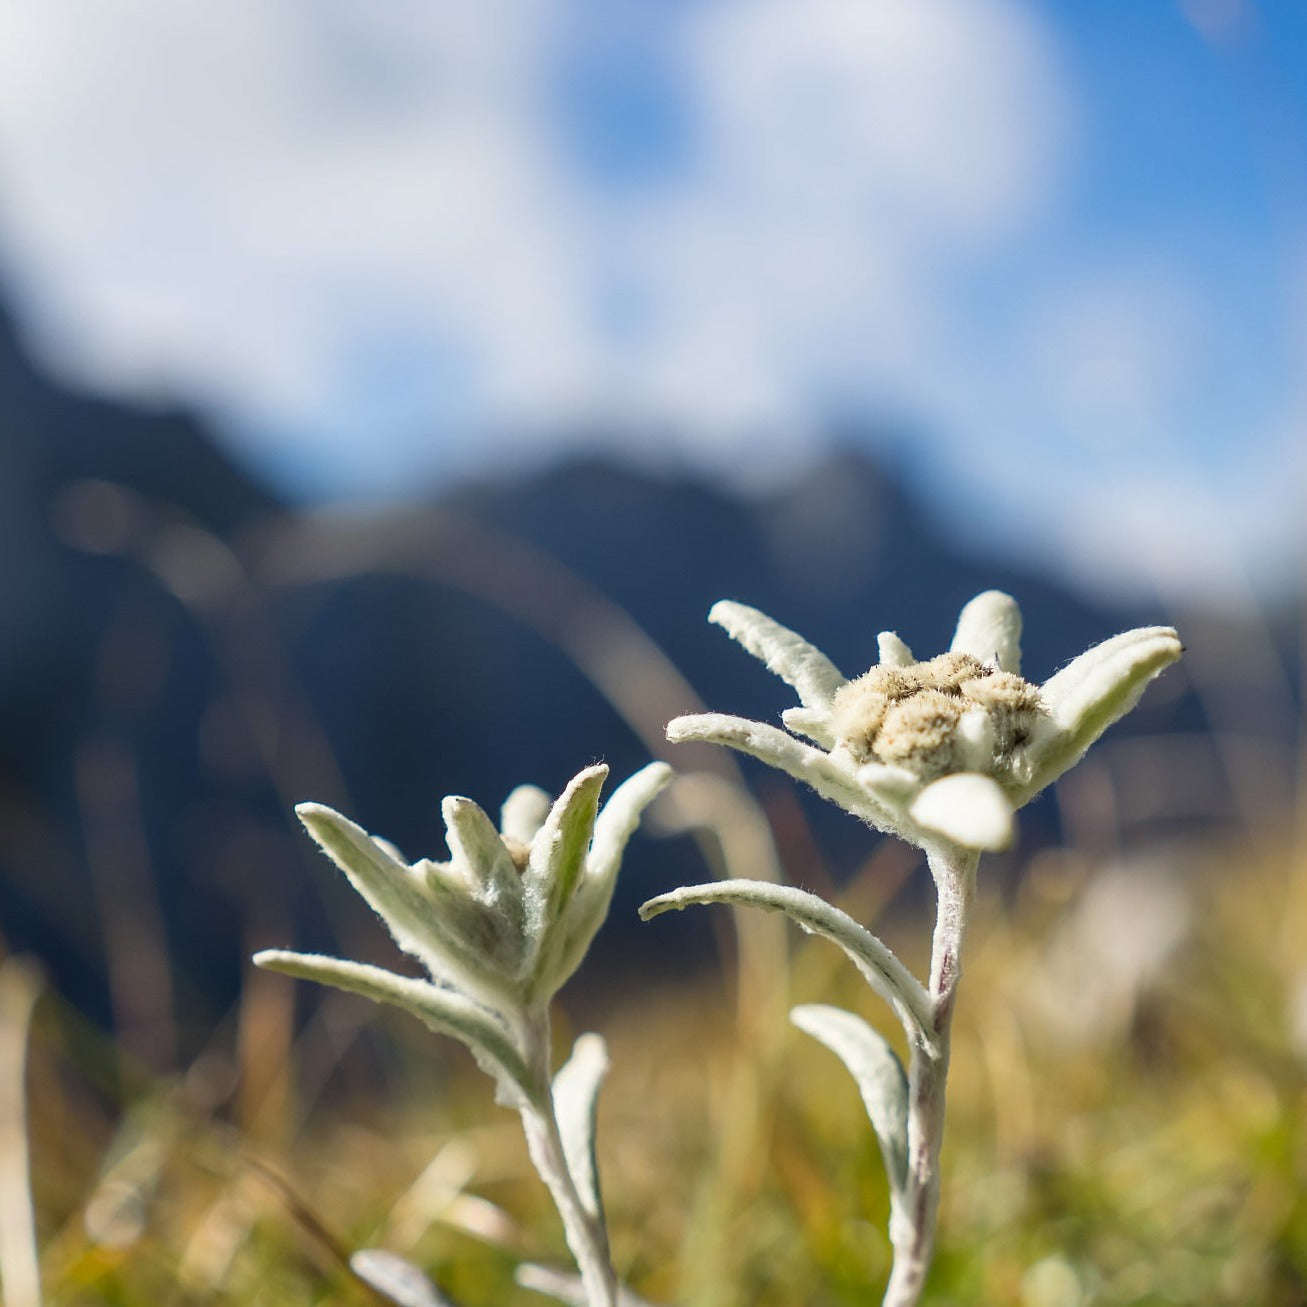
[{"x": 910, "y": 715}]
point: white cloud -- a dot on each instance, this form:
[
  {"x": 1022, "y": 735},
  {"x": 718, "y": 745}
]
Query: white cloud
[
  {"x": 218, "y": 199},
  {"x": 222, "y": 199},
  {"x": 361, "y": 231}
]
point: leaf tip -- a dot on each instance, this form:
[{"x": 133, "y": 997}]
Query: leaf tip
[
  {"x": 967, "y": 808},
  {"x": 654, "y": 907},
  {"x": 273, "y": 959},
  {"x": 318, "y": 817},
  {"x": 680, "y": 729}
]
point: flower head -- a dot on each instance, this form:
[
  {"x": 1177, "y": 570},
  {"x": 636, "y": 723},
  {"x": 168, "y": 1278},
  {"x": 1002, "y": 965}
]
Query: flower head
[
  {"x": 944, "y": 749},
  {"x": 501, "y": 924}
]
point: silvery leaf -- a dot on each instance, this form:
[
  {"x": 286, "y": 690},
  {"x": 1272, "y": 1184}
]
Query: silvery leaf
[
  {"x": 559, "y": 849},
  {"x": 566, "y": 1287},
  {"x": 396, "y": 1278},
  {"x": 524, "y": 812},
  {"x": 430, "y": 917},
  {"x": 1091, "y": 693},
  {"x": 443, "y": 1010},
  {"x": 989, "y": 629},
  {"x": 576, "y": 1102},
  {"x": 620, "y": 816},
  {"x": 617, "y": 820},
  {"x": 878, "y": 1073},
  {"x": 892, "y": 652},
  {"x": 773, "y": 746},
  {"x": 811, "y": 722},
  {"x": 814, "y": 677},
  {"x": 476, "y": 844},
  {"x": 883, "y": 971},
  {"x": 555, "y": 869},
  {"x": 967, "y": 808}
]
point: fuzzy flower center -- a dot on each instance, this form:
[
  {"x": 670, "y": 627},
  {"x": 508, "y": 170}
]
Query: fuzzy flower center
[{"x": 910, "y": 716}]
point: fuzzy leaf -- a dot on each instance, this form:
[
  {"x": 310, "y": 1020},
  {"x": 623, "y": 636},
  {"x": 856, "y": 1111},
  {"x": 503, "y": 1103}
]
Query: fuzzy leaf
[
  {"x": 883, "y": 971},
  {"x": 559, "y": 849},
  {"x": 430, "y": 917},
  {"x": 443, "y": 1010},
  {"x": 811, "y": 722},
  {"x": 892, "y": 652},
  {"x": 967, "y": 808},
  {"x": 475, "y": 844},
  {"x": 976, "y": 740},
  {"x": 989, "y": 628},
  {"x": 878, "y": 1072},
  {"x": 566, "y": 1287},
  {"x": 576, "y": 1102},
  {"x": 620, "y": 816},
  {"x": 1091, "y": 693},
  {"x": 588, "y": 910},
  {"x": 814, "y": 677},
  {"x": 524, "y": 812},
  {"x": 811, "y": 766},
  {"x": 557, "y": 863},
  {"x": 396, "y": 1279}
]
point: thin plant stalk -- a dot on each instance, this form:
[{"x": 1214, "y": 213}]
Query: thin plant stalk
[
  {"x": 585, "y": 1230},
  {"x": 20, "y": 987},
  {"x": 912, "y": 1224}
]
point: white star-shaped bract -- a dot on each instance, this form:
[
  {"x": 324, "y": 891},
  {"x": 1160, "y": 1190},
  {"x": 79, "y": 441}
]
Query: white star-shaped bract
[
  {"x": 502, "y": 924},
  {"x": 945, "y": 749}
]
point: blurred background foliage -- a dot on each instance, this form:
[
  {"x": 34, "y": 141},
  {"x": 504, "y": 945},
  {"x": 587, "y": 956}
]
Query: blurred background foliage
[{"x": 416, "y": 472}]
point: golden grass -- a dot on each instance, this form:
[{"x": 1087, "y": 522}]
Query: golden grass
[{"x": 1153, "y": 1150}]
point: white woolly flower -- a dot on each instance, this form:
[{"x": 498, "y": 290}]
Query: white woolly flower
[
  {"x": 944, "y": 749},
  {"x": 501, "y": 925},
  {"x": 942, "y": 753}
]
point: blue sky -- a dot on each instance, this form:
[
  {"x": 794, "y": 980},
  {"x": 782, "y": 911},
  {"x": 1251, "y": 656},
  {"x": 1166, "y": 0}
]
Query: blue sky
[{"x": 385, "y": 245}]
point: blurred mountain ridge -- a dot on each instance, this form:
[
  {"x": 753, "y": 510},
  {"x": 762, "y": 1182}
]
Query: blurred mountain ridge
[{"x": 184, "y": 656}]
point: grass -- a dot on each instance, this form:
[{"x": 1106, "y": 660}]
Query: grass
[
  {"x": 1138, "y": 1138},
  {"x": 1139, "y": 1145}
]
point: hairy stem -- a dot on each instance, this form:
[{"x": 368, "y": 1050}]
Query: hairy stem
[
  {"x": 912, "y": 1219},
  {"x": 586, "y": 1234}
]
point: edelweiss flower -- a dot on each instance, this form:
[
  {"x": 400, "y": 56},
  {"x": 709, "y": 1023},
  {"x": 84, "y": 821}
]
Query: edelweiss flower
[
  {"x": 947, "y": 748},
  {"x": 502, "y": 924}
]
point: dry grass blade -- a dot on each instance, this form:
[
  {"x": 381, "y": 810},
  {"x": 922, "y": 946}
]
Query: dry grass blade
[{"x": 20, "y": 987}]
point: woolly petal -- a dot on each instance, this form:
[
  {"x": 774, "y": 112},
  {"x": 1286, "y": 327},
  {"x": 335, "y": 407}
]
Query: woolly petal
[
  {"x": 967, "y": 808},
  {"x": 580, "y": 922},
  {"x": 620, "y": 816},
  {"x": 989, "y": 628},
  {"x": 975, "y": 735},
  {"x": 474, "y": 843},
  {"x": 430, "y": 916},
  {"x": 786, "y": 653},
  {"x": 811, "y": 766},
  {"x": 879, "y": 1075},
  {"x": 444, "y": 1010},
  {"x": 559, "y": 848},
  {"x": 883, "y": 971},
  {"x": 811, "y": 722},
  {"x": 524, "y": 812},
  {"x": 553, "y": 874},
  {"x": 892, "y": 651},
  {"x": 387, "y": 847},
  {"x": 1091, "y": 693},
  {"x": 576, "y": 1101},
  {"x": 893, "y": 785}
]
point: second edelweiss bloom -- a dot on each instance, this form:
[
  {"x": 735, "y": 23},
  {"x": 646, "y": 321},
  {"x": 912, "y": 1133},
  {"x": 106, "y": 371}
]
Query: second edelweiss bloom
[{"x": 946, "y": 748}]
